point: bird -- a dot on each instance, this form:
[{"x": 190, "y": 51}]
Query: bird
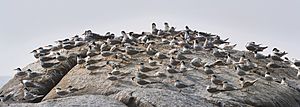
[
  {"x": 196, "y": 62},
  {"x": 89, "y": 60},
  {"x": 180, "y": 56},
  {"x": 260, "y": 56},
  {"x": 160, "y": 74},
  {"x": 180, "y": 84},
  {"x": 208, "y": 70},
  {"x": 92, "y": 52},
  {"x": 132, "y": 51},
  {"x": 278, "y": 53},
  {"x": 115, "y": 71},
  {"x": 276, "y": 57},
  {"x": 274, "y": 65},
  {"x": 113, "y": 41},
  {"x": 160, "y": 55},
  {"x": 251, "y": 46},
  {"x": 219, "y": 53},
  {"x": 80, "y": 60},
  {"x": 150, "y": 51},
  {"x": 61, "y": 92},
  {"x": 228, "y": 87},
  {"x": 186, "y": 50},
  {"x": 167, "y": 27},
  {"x": 240, "y": 71},
  {"x": 112, "y": 78},
  {"x": 142, "y": 75},
  {"x": 60, "y": 57},
  {"x": 229, "y": 60},
  {"x": 46, "y": 58},
  {"x": 152, "y": 62},
  {"x": 107, "y": 53},
  {"x": 284, "y": 81},
  {"x": 212, "y": 90},
  {"x": 218, "y": 41},
  {"x": 208, "y": 44},
  {"x": 104, "y": 47},
  {"x": 28, "y": 96},
  {"x": 57, "y": 47},
  {"x": 154, "y": 29},
  {"x": 250, "y": 65},
  {"x": 92, "y": 68},
  {"x": 20, "y": 73},
  {"x": 33, "y": 74},
  {"x": 72, "y": 89},
  {"x": 227, "y": 46},
  {"x": 242, "y": 60},
  {"x": 298, "y": 74},
  {"x": 215, "y": 80},
  {"x": 80, "y": 43},
  {"x": 245, "y": 84},
  {"x": 197, "y": 46},
  {"x": 114, "y": 48},
  {"x": 268, "y": 77},
  {"x": 143, "y": 68},
  {"x": 182, "y": 67},
  {"x": 165, "y": 41},
  {"x": 172, "y": 51},
  {"x": 174, "y": 42},
  {"x": 28, "y": 83},
  {"x": 140, "y": 81},
  {"x": 173, "y": 61},
  {"x": 296, "y": 62},
  {"x": 171, "y": 70}
]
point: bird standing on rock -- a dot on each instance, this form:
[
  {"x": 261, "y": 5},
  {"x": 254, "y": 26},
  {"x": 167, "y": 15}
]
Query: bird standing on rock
[
  {"x": 174, "y": 62},
  {"x": 182, "y": 67},
  {"x": 143, "y": 68},
  {"x": 278, "y": 53},
  {"x": 140, "y": 81},
  {"x": 180, "y": 84},
  {"x": 245, "y": 84},
  {"x": 170, "y": 69},
  {"x": 215, "y": 80},
  {"x": 251, "y": 46},
  {"x": 152, "y": 62},
  {"x": 227, "y": 86},
  {"x": 227, "y": 46},
  {"x": 159, "y": 55},
  {"x": 268, "y": 77}
]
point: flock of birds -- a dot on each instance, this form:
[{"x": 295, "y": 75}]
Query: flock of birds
[{"x": 126, "y": 47}]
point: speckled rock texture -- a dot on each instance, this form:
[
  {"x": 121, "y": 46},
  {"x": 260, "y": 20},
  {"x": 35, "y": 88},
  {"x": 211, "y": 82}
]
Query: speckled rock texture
[{"x": 74, "y": 101}]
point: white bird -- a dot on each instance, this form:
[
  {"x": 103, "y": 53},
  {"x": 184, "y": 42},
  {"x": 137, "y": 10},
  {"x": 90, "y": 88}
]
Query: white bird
[
  {"x": 61, "y": 92},
  {"x": 227, "y": 86},
  {"x": 197, "y": 46},
  {"x": 196, "y": 62},
  {"x": 260, "y": 56},
  {"x": 167, "y": 27},
  {"x": 284, "y": 82},
  {"x": 182, "y": 67},
  {"x": 227, "y": 46},
  {"x": 268, "y": 77}
]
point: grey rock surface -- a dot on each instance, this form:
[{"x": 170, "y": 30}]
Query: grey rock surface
[{"x": 74, "y": 101}]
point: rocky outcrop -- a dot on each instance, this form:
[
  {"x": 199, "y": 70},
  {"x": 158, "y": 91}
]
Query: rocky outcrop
[
  {"x": 100, "y": 87},
  {"x": 84, "y": 100}
]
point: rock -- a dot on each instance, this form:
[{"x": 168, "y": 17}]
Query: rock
[
  {"x": 84, "y": 100},
  {"x": 97, "y": 90}
]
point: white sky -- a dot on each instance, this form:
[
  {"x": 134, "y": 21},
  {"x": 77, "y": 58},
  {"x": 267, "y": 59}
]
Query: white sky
[{"x": 28, "y": 24}]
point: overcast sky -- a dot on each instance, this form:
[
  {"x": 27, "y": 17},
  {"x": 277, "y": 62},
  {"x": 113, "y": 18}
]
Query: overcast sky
[{"x": 28, "y": 24}]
